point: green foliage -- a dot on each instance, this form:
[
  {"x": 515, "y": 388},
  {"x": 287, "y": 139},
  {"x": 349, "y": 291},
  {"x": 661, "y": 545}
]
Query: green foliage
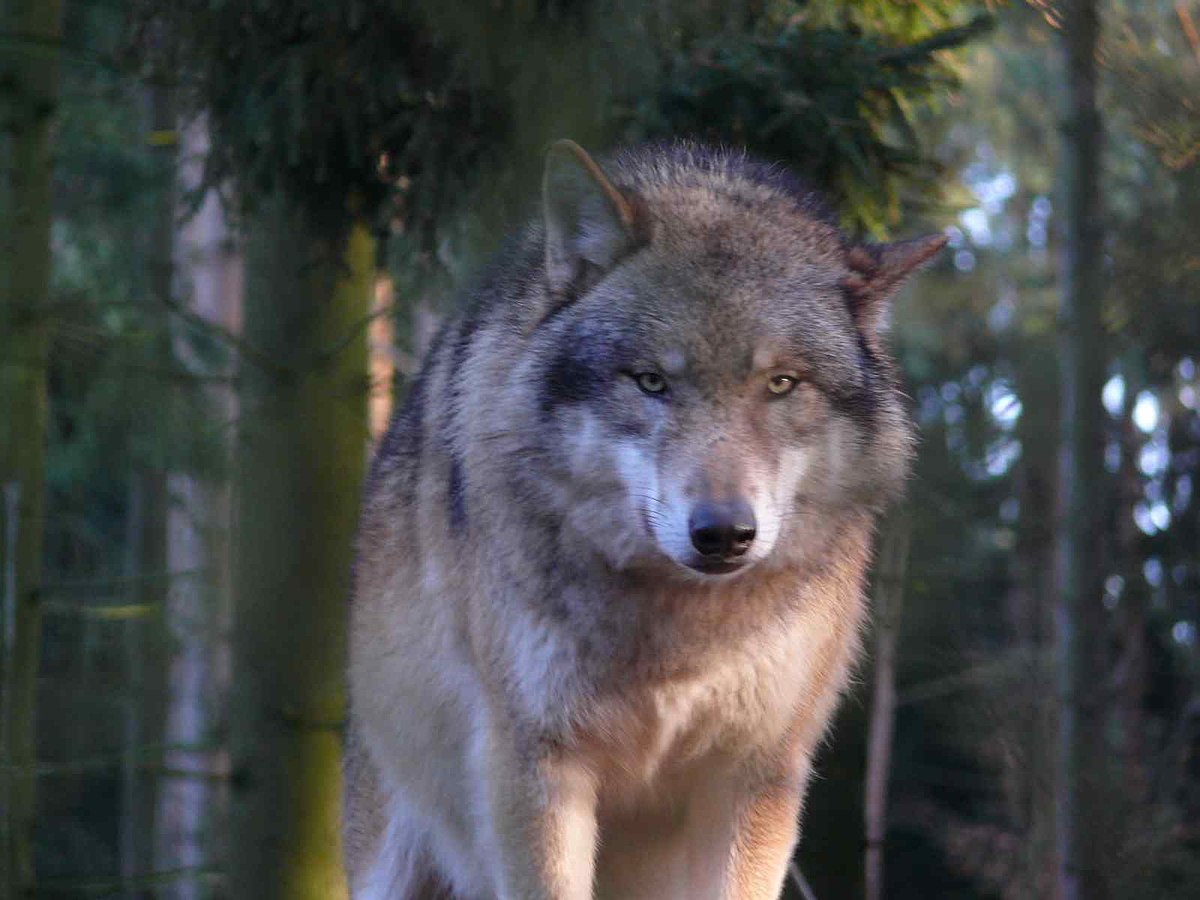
[
  {"x": 1154, "y": 179},
  {"x": 342, "y": 106},
  {"x": 835, "y": 104},
  {"x": 886, "y": 18},
  {"x": 398, "y": 109}
]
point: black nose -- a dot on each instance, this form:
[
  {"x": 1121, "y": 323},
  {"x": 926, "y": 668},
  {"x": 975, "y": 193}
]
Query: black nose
[{"x": 722, "y": 529}]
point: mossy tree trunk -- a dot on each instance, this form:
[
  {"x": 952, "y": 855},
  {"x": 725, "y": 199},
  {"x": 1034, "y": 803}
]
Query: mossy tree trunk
[
  {"x": 1080, "y": 613},
  {"x": 143, "y": 636},
  {"x": 302, "y": 453},
  {"x": 28, "y": 94}
]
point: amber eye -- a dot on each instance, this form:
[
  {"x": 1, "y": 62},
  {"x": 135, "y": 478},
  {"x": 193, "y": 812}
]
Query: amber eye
[
  {"x": 781, "y": 384},
  {"x": 650, "y": 382}
]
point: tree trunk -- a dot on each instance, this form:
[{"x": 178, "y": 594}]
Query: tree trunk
[
  {"x": 302, "y": 453},
  {"x": 889, "y": 596},
  {"x": 146, "y": 550},
  {"x": 1080, "y": 614},
  {"x": 28, "y": 94},
  {"x": 1133, "y": 611},
  {"x": 133, "y": 641},
  {"x": 1031, "y": 770},
  {"x": 198, "y": 614}
]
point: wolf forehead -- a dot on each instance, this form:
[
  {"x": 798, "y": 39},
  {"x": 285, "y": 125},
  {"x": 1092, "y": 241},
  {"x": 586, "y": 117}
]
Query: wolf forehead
[
  {"x": 682, "y": 164},
  {"x": 734, "y": 210},
  {"x": 715, "y": 227},
  {"x": 728, "y": 264}
]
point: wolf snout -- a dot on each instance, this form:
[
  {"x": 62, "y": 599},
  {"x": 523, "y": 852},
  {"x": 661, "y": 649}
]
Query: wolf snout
[{"x": 722, "y": 531}]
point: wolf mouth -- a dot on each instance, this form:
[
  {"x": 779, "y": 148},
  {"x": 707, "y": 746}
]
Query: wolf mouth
[{"x": 717, "y": 566}]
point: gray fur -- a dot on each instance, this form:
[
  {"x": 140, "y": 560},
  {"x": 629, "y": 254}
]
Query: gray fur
[{"x": 549, "y": 700}]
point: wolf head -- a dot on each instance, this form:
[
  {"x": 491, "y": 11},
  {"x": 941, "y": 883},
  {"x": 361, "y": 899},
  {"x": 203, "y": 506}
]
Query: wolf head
[{"x": 705, "y": 355}]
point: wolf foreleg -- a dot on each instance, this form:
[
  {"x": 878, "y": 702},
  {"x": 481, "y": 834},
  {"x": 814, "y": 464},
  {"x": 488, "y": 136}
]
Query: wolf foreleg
[
  {"x": 544, "y": 820},
  {"x": 765, "y": 835}
]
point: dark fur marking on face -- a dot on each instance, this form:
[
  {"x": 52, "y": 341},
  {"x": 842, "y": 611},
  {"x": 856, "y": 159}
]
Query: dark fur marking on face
[
  {"x": 862, "y": 403},
  {"x": 457, "y": 496},
  {"x": 868, "y": 363},
  {"x": 861, "y": 398},
  {"x": 578, "y": 369},
  {"x": 630, "y": 427},
  {"x": 568, "y": 379}
]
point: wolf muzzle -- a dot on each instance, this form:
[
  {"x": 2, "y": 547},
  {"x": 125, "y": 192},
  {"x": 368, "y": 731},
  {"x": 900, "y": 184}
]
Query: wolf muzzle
[{"x": 721, "y": 532}]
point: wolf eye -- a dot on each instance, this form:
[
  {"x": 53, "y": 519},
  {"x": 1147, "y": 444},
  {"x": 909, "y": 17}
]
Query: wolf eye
[
  {"x": 781, "y": 384},
  {"x": 650, "y": 382}
]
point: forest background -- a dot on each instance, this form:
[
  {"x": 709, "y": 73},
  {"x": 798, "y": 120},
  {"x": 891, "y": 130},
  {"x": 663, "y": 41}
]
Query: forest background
[{"x": 228, "y": 230}]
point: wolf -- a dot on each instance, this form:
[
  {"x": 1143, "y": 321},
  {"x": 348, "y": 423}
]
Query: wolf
[{"x": 610, "y": 570}]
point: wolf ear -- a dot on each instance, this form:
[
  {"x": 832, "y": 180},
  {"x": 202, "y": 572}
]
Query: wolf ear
[
  {"x": 876, "y": 273},
  {"x": 588, "y": 221}
]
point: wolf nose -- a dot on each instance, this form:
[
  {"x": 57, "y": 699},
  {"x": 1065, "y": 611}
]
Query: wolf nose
[{"x": 722, "y": 529}]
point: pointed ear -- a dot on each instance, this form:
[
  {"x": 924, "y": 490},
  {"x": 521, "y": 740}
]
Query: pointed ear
[
  {"x": 589, "y": 223},
  {"x": 876, "y": 273}
]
